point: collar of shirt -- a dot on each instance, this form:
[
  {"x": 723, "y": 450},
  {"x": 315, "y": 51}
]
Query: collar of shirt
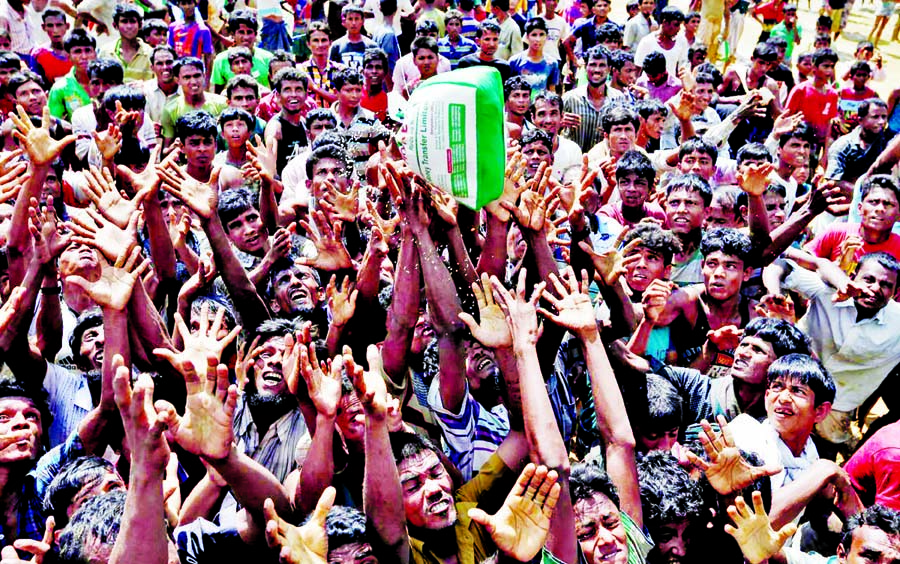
[{"x": 878, "y": 318}]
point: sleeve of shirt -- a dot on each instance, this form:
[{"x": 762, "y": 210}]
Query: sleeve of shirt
[
  {"x": 836, "y": 160},
  {"x": 56, "y": 103},
  {"x": 807, "y": 284},
  {"x": 694, "y": 388},
  {"x": 218, "y": 70},
  {"x": 206, "y": 42},
  {"x": 793, "y": 101},
  {"x": 168, "y": 126},
  {"x": 860, "y": 469},
  {"x": 494, "y": 478}
]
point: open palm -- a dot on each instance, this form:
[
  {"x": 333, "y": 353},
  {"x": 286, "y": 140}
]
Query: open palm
[
  {"x": 753, "y": 531},
  {"x": 492, "y": 331}
]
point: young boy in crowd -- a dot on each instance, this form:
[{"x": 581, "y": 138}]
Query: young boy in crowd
[
  {"x": 52, "y": 60},
  {"x": 455, "y": 46},
  {"x": 542, "y": 73}
]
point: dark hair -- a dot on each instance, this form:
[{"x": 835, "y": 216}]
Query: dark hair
[
  {"x": 547, "y": 97},
  {"x": 651, "y": 106},
  {"x": 668, "y": 494},
  {"x": 241, "y": 81},
  {"x": 123, "y": 10},
  {"x": 320, "y": 114},
  {"x": 347, "y": 76},
  {"x": 806, "y": 370},
  {"x": 36, "y": 395},
  {"x": 876, "y": 516},
  {"x": 619, "y": 57},
  {"x": 487, "y": 25},
  {"x": 108, "y": 70},
  {"x": 514, "y": 83},
  {"x": 289, "y": 74},
  {"x": 423, "y": 42},
  {"x": 691, "y": 15},
  {"x": 214, "y": 304},
  {"x": 654, "y": 63},
  {"x": 656, "y": 239},
  {"x": 765, "y": 52},
  {"x": 618, "y": 114},
  {"x": 587, "y": 479},
  {"x": 535, "y": 23},
  {"x": 753, "y": 152},
  {"x": 236, "y": 53},
  {"x": 609, "y": 32},
  {"x": 802, "y": 132},
  {"x": 426, "y": 26},
  {"x": 154, "y": 24},
  {"x": 784, "y": 336},
  {"x": 162, "y": 49},
  {"x": 331, "y": 137},
  {"x": 824, "y": 55},
  {"x": 671, "y": 14},
  {"x": 730, "y": 242},
  {"x": 21, "y": 78},
  {"x": 87, "y": 320},
  {"x": 233, "y": 203},
  {"x": 53, "y": 13},
  {"x": 231, "y": 114},
  {"x": 95, "y": 523},
  {"x": 691, "y": 183},
  {"x": 711, "y": 69},
  {"x": 697, "y": 48},
  {"x": 79, "y": 37},
  {"x": 242, "y": 17},
  {"x": 328, "y": 152},
  {"x": 863, "y": 110},
  {"x": 408, "y": 445},
  {"x": 375, "y": 54},
  {"x": 663, "y": 405},
  {"x": 280, "y": 56},
  {"x": 884, "y": 181},
  {"x": 272, "y": 328},
  {"x": 705, "y": 78},
  {"x": 187, "y": 62},
  {"x": 536, "y": 135},
  {"x": 635, "y": 162},
  {"x": 697, "y": 145},
  {"x": 351, "y": 9},
  {"x": 777, "y": 42},
  {"x": 196, "y": 123},
  {"x": 804, "y": 56},
  {"x": 9, "y": 60},
  {"x": 597, "y": 52},
  {"x": 71, "y": 479},
  {"x": 388, "y": 7},
  {"x": 885, "y": 260},
  {"x": 345, "y": 525},
  {"x": 826, "y": 37},
  {"x": 502, "y": 5},
  {"x": 321, "y": 27},
  {"x": 130, "y": 97}
]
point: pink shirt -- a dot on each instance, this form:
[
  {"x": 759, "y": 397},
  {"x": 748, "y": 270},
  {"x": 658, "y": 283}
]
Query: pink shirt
[{"x": 828, "y": 243}]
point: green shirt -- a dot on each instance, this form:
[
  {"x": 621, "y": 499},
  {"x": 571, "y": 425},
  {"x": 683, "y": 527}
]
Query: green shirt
[
  {"x": 66, "y": 96},
  {"x": 139, "y": 67},
  {"x": 177, "y": 107},
  {"x": 639, "y": 545},
  {"x": 788, "y": 35},
  {"x": 221, "y": 71}
]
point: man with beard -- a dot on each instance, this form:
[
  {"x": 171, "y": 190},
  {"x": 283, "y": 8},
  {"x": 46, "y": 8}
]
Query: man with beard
[
  {"x": 587, "y": 101},
  {"x": 296, "y": 290},
  {"x": 285, "y": 132},
  {"x": 191, "y": 97},
  {"x": 537, "y": 148}
]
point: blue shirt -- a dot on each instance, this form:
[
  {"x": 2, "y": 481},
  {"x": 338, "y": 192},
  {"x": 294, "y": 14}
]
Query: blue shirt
[
  {"x": 539, "y": 75},
  {"x": 454, "y": 53}
]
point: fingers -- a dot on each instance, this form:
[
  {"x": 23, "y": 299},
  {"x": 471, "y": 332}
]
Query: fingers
[
  {"x": 326, "y": 500},
  {"x": 482, "y": 518}
]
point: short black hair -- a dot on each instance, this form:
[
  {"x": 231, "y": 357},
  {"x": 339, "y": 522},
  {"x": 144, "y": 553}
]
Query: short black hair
[
  {"x": 375, "y": 54},
  {"x": 96, "y": 522},
  {"x": 52, "y": 13},
  {"x": 668, "y": 494},
  {"x": 885, "y": 260},
  {"x": 654, "y": 63},
  {"x": 535, "y": 23},
  {"x": 487, "y": 25},
  {"x": 21, "y": 78},
  {"x": 514, "y": 83},
  {"x": 596, "y": 52},
  {"x": 802, "y": 132},
  {"x": 347, "y": 76},
  {"x": 289, "y": 74},
  {"x": 651, "y": 106},
  {"x": 618, "y": 114},
  {"x": 609, "y": 32},
  {"x": 182, "y": 62},
  {"x": 753, "y": 152},
  {"x": 242, "y": 17},
  {"x": 239, "y": 52},
  {"x": 423, "y": 42},
  {"x": 536, "y": 135},
  {"x": 656, "y": 239},
  {"x": 123, "y": 10},
  {"x": 79, "y": 37},
  {"x": 154, "y": 24},
  {"x": 876, "y": 516},
  {"x": 196, "y": 123},
  {"x": 131, "y": 98},
  {"x": 663, "y": 406},
  {"x": 328, "y": 152},
  {"x": 346, "y": 525},
  {"x": 691, "y": 183},
  {"x": 698, "y": 145},
  {"x": 161, "y": 49},
  {"x": 619, "y": 57},
  {"x": 883, "y": 181},
  {"x": 233, "y": 203},
  {"x": 231, "y": 114},
  {"x": 108, "y": 70},
  {"x": 863, "y": 110},
  {"x": 408, "y": 445},
  {"x": 765, "y": 52},
  {"x": 320, "y": 114},
  {"x": 241, "y": 81},
  {"x": 587, "y": 479},
  {"x": 729, "y": 241},
  {"x": 783, "y": 335},
  {"x": 9, "y": 60},
  {"x": 635, "y": 162},
  {"x": 70, "y": 480},
  {"x": 671, "y": 14},
  {"x": 548, "y": 98},
  {"x": 805, "y": 370},
  {"x": 824, "y": 55}
]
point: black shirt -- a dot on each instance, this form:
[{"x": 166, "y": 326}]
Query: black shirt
[{"x": 474, "y": 60}]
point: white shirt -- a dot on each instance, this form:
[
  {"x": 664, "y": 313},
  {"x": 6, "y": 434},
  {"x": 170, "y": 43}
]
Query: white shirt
[
  {"x": 406, "y": 72},
  {"x": 558, "y": 30},
  {"x": 636, "y": 29},
  {"x": 567, "y": 155},
  {"x": 675, "y": 56},
  {"x": 752, "y": 436},
  {"x": 858, "y": 354},
  {"x": 374, "y": 23}
]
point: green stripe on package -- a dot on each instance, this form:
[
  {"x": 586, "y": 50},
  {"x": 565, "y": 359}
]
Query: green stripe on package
[{"x": 453, "y": 134}]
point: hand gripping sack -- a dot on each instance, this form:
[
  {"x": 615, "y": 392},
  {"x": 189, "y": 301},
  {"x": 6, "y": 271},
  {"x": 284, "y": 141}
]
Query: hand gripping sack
[{"x": 453, "y": 134}]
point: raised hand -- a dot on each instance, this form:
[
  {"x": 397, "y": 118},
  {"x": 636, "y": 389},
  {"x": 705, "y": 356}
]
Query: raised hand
[
  {"x": 753, "y": 530},
  {"x": 9, "y": 308},
  {"x": 109, "y": 142},
  {"x": 512, "y": 187},
  {"x": 126, "y": 119},
  {"x": 533, "y": 212},
  {"x": 245, "y": 359},
  {"x": 331, "y": 253},
  {"x": 754, "y": 178},
  {"x": 148, "y": 179},
  {"x": 200, "y": 346},
  {"x": 727, "y": 471},
  {"x": 786, "y": 122},
  {"x": 40, "y": 147},
  {"x": 611, "y": 264},
  {"x": 341, "y": 301},
  {"x": 522, "y": 524},
  {"x": 300, "y": 545},
  {"x": 12, "y": 177},
  {"x": 101, "y": 191},
  {"x": 369, "y": 384},
  {"x": 725, "y": 338},
  {"x": 323, "y": 380},
  {"x": 574, "y": 195},
  {"x": 114, "y": 287},
  {"x": 205, "y": 428},
  {"x": 98, "y": 232},
  {"x": 827, "y": 195},
  {"x": 655, "y": 298},
  {"x": 572, "y": 303},
  {"x": 492, "y": 331},
  {"x": 201, "y": 197},
  {"x": 144, "y": 427},
  {"x": 49, "y": 243},
  {"x": 521, "y": 313},
  {"x": 848, "y": 249},
  {"x": 37, "y": 548},
  {"x": 374, "y": 220},
  {"x": 444, "y": 205},
  {"x": 262, "y": 159},
  {"x": 777, "y": 306},
  {"x": 340, "y": 206}
]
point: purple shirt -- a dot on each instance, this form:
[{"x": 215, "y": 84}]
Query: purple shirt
[{"x": 669, "y": 88}]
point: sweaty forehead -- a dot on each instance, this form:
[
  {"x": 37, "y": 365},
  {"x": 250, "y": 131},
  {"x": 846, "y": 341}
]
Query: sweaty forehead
[
  {"x": 417, "y": 464},
  {"x": 596, "y": 507}
]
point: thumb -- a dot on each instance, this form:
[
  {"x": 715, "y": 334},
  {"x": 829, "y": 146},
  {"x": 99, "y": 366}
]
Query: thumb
[
  {"x": 79, "y": 281},
  {"x": 9, "y": 553},
  {"x": 324, "y": 506},
  {"x": 469, "y": 321},
  {"x": 786, "y": 533},
  {"x": 482, "y": 518},
  {"x": 768, "y": 470}
]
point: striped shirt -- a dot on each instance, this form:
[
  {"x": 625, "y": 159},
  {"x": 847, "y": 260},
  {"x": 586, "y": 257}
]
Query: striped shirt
[
  {"x": 278, "y": 449},
  {"x": 69, "y": 398},
  {"x": 472, "y": 435},
  {"x": 23, "y": 33},
  {"x": 589, "y": 133}
]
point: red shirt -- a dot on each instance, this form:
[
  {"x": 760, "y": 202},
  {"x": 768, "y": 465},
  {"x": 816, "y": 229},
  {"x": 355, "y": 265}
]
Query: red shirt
[
  {"x": 819, "y": 108},
  {"x": 377, "y": 104},
  {"x": 52, "y": 64},
  {"x": 828, "y": 243},
  {"x": 772, "y": 11}
]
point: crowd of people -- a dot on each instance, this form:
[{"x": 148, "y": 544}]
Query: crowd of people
[{"x": 237, "y": 325}]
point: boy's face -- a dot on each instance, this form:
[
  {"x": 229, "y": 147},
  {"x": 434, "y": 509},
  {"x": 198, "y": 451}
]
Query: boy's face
[
  {"x": 191, "y": 80},
  {"x": 647, "y": 6},
  {"x": 698, "y": 163},
  {"x": 600, "y": 530},
  {"x": 241, "y": 66},
  {"x": 634, "y": 190},
  {"x": 536, "y": 153},
  {"x": 81, "y": 56},
  {"x": 236, "y": 133},
  {"x": 352, "y": 22},
  {"x": 860, "y": 78},
  {"x": 292, "y": 95},
  {"x": 187, "y": 6},
  {"x": 350, "y": 95},
  {"x": 536, "y": 38},
  {"x": 129, "y": 27},
  {"x": 685, "y": 211},
  {"x": 774, "y": 208},
  {"x": 244, "y": 98},
  {"x": 245, "y": 36},
  {"x": 879, "y": 210},
  {"x": 790, "y": 17},
  {"x": 791, "y": 409},
  {"x": 760, "y": 66},
  {"x": 6, "y": 43},
  {"x": 56, "y": 29},
  {"x": 691, "y": 25},
  {"x": 547, "y": 116},
  {"x": 621, "y": 137},
  {"x": 657, "y": 79},
  {"x": 671, "y": 28},
  {"x": 426, "y": 61},
  {"x": 723, "y": 275},
  {"x": 519, "y": 101},
  {"x": 374, "y": 72},
  {"x": 654, "y": 125},
  {"x": 156, "y": 37},
  {"x": 805, "y": 66},
  {"x": 488, "y": 43},
  {"x": 453, "y": 27},
  {"x": 98, "y": 86},
  {"x": 246, "y": 230},
  {"x": 824, "y": 70},
  {"x": 629, "y": 73},
  {"x": 697, "y": 58},
  {"x": 651, "y": 266},
  {"x": 656, "y": 440},
  {"x": 31, "y": 97},
  {"x": 199, "y": 150},
  {"x": 822, "y": 43},
  {"x": 319, "y": 43},
  {"x": 318, "y": 127}
]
